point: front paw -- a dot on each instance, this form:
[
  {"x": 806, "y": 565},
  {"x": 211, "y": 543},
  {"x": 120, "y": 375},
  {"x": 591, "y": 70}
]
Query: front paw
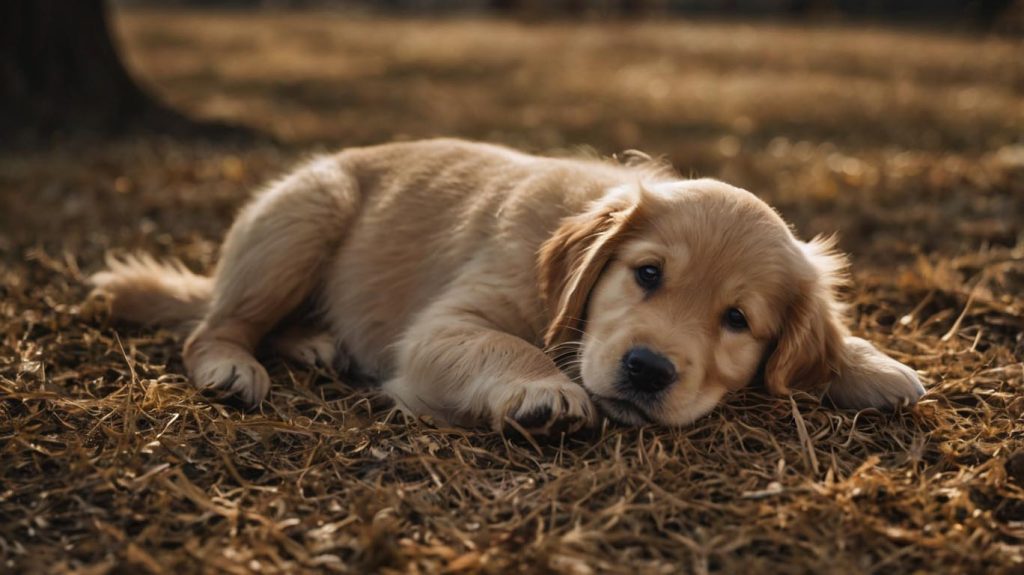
[
  {"x": 545, "y": 408},
  {"x": 869, "y": 378}
]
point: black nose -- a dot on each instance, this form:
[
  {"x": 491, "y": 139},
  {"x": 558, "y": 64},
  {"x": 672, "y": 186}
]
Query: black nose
[{"x": 647, "y": 371}]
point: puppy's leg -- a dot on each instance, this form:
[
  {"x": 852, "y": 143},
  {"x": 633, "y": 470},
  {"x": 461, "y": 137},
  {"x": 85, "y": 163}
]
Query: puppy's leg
[
  {"x": 457, "y": 364},
  {"x": 869, "y": 378},
  {"x": 310, "y": 346},
  {"x": 271, "y": 261}
]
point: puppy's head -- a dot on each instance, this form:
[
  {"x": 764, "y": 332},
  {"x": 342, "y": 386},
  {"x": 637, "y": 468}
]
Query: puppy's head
[{"x": 667, "y": 297}]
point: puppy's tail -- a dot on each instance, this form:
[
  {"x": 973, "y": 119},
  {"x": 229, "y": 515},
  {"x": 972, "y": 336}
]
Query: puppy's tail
[{"x": 139, "y": 289}]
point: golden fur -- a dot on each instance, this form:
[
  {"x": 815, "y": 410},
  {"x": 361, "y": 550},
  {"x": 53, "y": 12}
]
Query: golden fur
[{"x": 480, "y": 284}]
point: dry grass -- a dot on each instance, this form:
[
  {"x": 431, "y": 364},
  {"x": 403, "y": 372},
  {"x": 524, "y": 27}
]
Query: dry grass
[{"x": 907, "y": 143}]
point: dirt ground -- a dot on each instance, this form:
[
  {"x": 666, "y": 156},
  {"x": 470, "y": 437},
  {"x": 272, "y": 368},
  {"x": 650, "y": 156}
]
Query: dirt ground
[{"x": 908, "y": 143}]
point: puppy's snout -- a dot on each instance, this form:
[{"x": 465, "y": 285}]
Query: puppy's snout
[{"x": 647, "y": 371}]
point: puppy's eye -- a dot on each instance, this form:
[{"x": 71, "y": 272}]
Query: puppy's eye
[
  {"x": 735, "y": 320},
  {"x": 648, "y": 277}
]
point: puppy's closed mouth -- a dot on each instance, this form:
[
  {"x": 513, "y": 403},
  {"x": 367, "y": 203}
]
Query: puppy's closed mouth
[{"x": 623, "y": 410}]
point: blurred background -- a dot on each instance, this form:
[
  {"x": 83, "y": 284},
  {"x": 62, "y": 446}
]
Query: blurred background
[{"x": 886, "y": 120}]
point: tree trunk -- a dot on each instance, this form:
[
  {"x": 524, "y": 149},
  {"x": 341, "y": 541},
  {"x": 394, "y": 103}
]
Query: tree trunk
[{"x": 60, "y": 72}]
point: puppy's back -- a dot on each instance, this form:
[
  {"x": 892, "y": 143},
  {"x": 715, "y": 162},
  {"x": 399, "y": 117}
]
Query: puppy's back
[{"x": 436, "y": 210}]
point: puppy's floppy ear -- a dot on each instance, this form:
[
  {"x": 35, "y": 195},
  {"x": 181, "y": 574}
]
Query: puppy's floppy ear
[
  {"x": 572, "y": 259},
  {"x": 815, "y": 347},
  {"x": 810, "y": 345}
]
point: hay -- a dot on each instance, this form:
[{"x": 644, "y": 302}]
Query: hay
[{"x": 110, "y": 463}]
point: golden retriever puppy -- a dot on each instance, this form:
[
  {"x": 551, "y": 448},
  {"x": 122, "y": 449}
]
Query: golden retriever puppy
[{"x": 484, "y": 285}]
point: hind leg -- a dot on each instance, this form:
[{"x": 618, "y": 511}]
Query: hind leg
[
  {"x": 309, "y": 346},
  {"x": 271, "y": 261}
]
